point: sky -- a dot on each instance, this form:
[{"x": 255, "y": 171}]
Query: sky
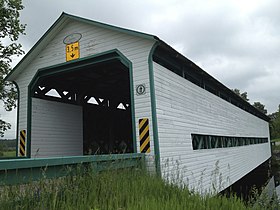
[{"x": 235, "y": 41}]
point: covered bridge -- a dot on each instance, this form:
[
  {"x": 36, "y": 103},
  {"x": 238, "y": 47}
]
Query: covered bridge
[{"x": 88, "y": 88}]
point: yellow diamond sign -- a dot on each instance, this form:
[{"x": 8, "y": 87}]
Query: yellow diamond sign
[{"x": 72, "y": 51}]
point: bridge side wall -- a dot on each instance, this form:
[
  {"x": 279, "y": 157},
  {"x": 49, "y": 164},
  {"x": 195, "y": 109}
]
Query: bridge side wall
[{"x": 184, "y": 108}]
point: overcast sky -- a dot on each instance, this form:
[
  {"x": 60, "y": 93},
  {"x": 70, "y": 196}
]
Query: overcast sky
[{"x": 236, "y": 41}]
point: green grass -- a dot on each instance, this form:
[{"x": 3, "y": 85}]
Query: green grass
[
  {"x": 275, "y": 140},
  {"x": 9, "y": 153},
  {"x": 118, "y": 190}
]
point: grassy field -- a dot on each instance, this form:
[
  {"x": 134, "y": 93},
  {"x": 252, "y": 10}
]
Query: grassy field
[
  {"x": 118, "y": 190},
  {"x": 9, "y": 153},
  {"x": 275, "y": 140},
  {"x": 7, "y": 148}
]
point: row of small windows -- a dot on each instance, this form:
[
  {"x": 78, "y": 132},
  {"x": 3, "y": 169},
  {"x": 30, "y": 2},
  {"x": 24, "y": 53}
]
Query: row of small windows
[{"x": 210, "y": 142}]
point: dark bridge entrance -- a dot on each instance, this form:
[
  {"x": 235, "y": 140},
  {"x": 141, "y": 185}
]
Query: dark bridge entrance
[{"x": 101, "y": 85}]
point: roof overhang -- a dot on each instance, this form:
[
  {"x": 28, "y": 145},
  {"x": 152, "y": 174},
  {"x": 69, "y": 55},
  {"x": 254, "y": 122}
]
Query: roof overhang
[
  {"x": 166, "y": 52},
  {"x": 54, "y": 29}
]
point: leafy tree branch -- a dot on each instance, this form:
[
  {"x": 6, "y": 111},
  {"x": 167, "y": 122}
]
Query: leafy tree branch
[{"x": 10, "y": 30}]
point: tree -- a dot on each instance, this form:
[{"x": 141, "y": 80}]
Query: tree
[
  {"x": 260, "y": 107},
  {"x": 275, "y": 124},
  {"x": 257, "y": 105},
  {"x": 243, "y": 95},
  {"x": 10, "y": 30}
]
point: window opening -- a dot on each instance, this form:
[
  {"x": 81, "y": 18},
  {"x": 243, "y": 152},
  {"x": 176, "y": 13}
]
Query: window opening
[
  {"x": 200, "y": 141},
  {"x": 53, "y": 93}
]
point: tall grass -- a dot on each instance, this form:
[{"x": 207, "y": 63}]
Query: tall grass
[{"x": 121, "y": 189}]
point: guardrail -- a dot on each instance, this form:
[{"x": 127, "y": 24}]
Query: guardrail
[{"x": 20, "y": 171}]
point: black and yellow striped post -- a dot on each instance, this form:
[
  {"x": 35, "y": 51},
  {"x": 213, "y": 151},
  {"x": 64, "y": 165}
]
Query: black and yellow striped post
[
  {"x": 22, "y": 147},
  {"x": 144, "y": 135}
]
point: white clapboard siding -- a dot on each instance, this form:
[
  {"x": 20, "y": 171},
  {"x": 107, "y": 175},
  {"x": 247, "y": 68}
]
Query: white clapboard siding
[
  {"x": 94, "y": 40},
  {"x": 57, "y": 129},
  {"x": 184, "y": 108}
]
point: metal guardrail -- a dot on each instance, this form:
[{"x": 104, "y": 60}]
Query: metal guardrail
[{"x": 24, "y": 170}]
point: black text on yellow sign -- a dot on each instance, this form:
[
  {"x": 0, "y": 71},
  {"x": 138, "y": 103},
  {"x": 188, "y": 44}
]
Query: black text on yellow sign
[
  {"x": 22, "y": 147},
  {"x": 72, "y": 51},
  {"x": 144, "y": 135}
]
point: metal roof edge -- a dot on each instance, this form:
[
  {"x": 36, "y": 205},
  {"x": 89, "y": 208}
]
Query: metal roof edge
[
  {"x": 179, "y": 55},
  {"x": 112, "y": 27}
]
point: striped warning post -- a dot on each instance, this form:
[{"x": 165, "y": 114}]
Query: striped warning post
[
  {"x": 22, "y": 142},
  {"x": 144, "y": 135}
]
